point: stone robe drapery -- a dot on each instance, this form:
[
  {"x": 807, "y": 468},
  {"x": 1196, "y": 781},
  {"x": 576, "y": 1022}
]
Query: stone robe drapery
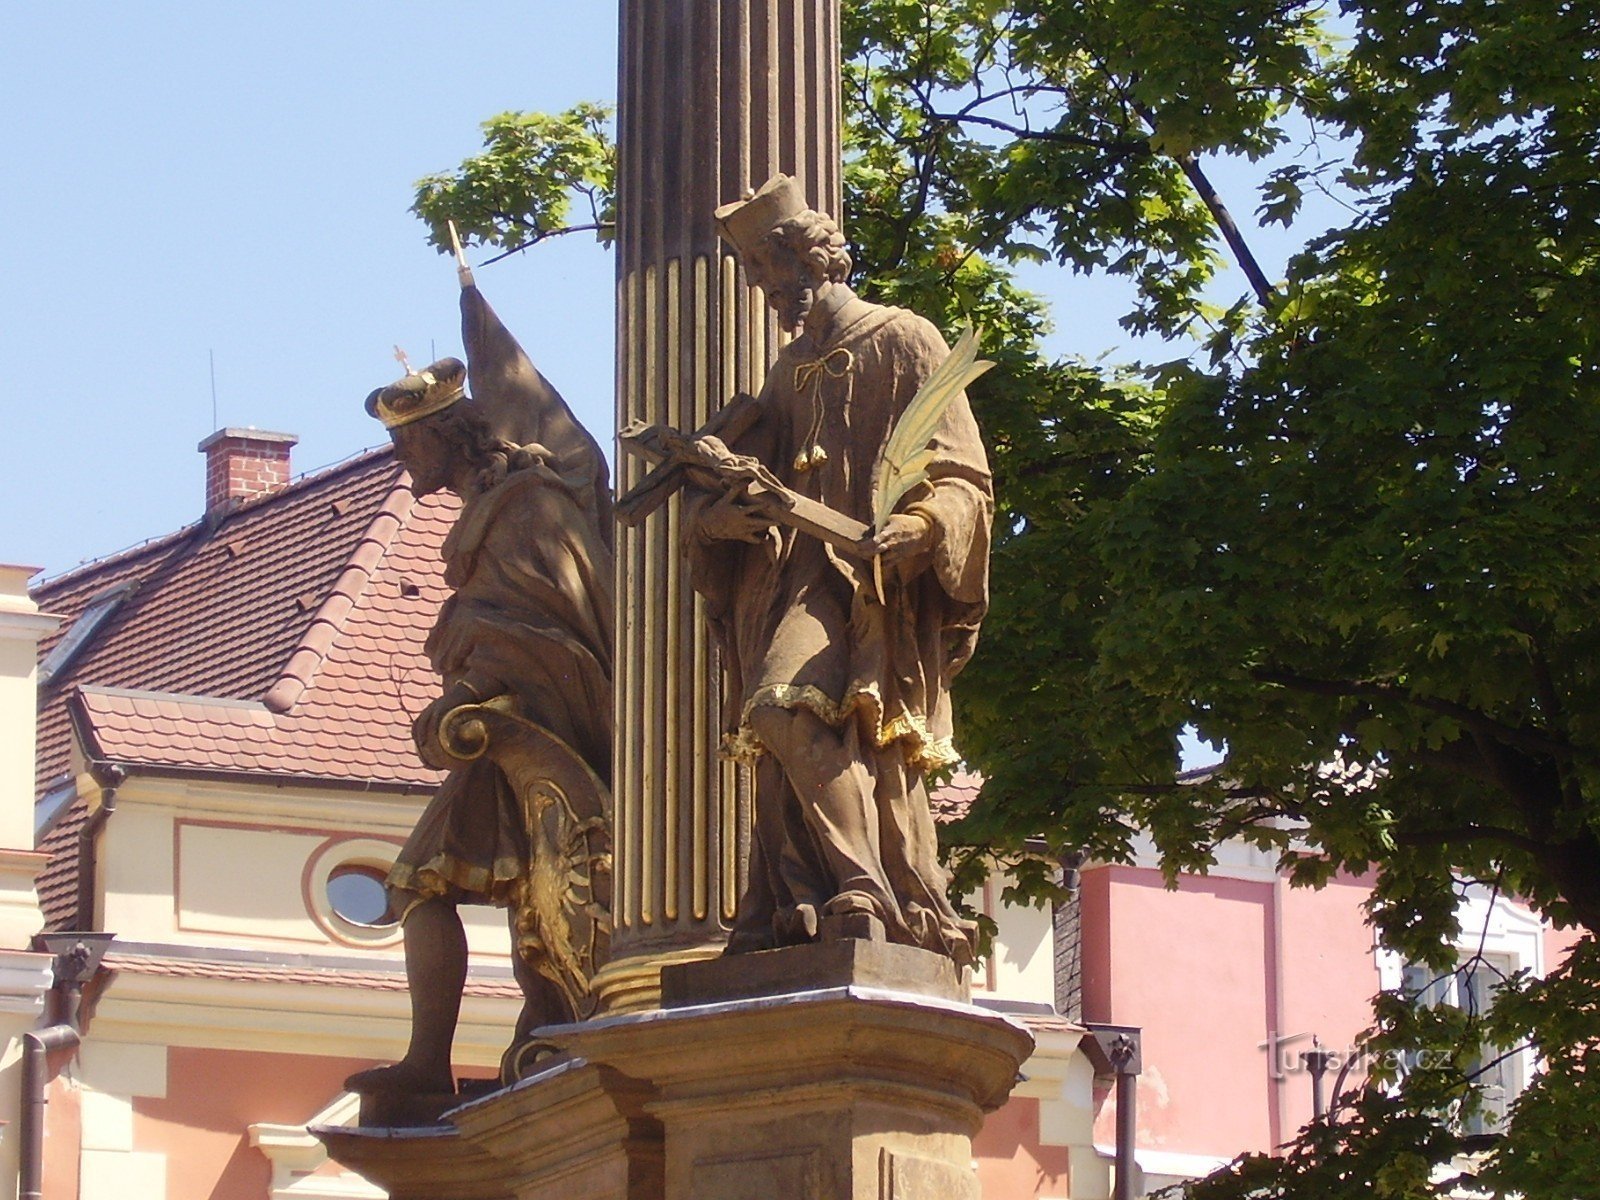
[
  {"x": 800, "y": 626},
  {"x": 531, "y": 615}
]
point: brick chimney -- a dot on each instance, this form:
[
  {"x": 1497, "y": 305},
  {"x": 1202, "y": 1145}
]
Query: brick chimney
[{"x": 241, "y": 463}]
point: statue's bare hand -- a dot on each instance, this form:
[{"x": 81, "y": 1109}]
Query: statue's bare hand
[
  {"x": 904, "y": 536},
  {"x": 733, "y": 518}
]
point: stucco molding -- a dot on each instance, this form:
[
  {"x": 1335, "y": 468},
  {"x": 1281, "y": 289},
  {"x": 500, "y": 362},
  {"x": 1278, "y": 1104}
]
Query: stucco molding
[
  {"x": 27, "y": 627},
  {"x": 296, "y": 1156},
  {"x": 25, "y": 979},
  {"x": 374, "y": 812},
  {"x": 1235, "y": 859},
  {"x": 289, "y": 1018}
]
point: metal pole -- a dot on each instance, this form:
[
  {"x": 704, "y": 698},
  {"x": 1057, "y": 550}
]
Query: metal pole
[
  {"x": 77, "y": 958},
  {"x": 1317, "y": 1061},
  {"x": 1127, "y": 1127},
  {"x": 1120, "y": 1052},
  {"x": 36, "y": 1047}
]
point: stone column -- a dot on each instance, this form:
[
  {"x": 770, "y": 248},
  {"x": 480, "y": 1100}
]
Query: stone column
[{"x": 715, "y": 96}]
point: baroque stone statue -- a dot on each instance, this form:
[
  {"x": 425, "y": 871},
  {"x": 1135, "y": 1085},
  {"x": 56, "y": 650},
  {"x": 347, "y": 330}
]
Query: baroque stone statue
[
  {"x": 523, "y": 725},
  {"x": 840, "y": 626}
]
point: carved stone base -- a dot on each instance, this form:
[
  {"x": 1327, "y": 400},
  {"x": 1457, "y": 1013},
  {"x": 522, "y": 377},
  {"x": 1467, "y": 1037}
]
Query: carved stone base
[
  {"x": 846, "y": 962},
  {"x": 433, "y": 1163},
  {"x": 851, "y": 1090},
  {"x": 405, "y": 1110},
  {"x": 571, "y": 1131},
  {"x": 847, "y": 1091}
]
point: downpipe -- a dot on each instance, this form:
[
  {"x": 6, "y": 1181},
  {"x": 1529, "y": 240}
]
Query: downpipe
[
  {"x": 77, "y": 958},
  {"x": 36, "y": 1047}
]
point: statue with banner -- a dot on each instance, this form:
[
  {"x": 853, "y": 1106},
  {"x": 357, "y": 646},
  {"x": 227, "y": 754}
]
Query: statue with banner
[{"x": 523, "y": 724}]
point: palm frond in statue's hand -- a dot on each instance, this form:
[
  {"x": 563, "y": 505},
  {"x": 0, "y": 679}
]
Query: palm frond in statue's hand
[{"x": 907, "y": 456}]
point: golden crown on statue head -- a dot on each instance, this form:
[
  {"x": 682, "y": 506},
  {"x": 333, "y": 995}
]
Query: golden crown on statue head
[
  {"x": 745, "y": 221},
  {"x": 420, "y": 394}
]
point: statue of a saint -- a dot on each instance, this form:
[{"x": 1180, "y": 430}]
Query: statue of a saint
[
  {"x": 837, "y": 682},
  {"x": 524, "y": 722}
]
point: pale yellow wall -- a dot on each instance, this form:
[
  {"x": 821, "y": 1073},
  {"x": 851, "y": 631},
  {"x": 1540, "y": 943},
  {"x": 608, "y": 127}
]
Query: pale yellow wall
[
  {"x": 1024, "y": 957},
  {"x": 24, "y": 976},
  {"x": 21, "y": 628},
  {"x": 1022, "y": 967},
  {"x": 225, "y": 866},
  {"x": 243, "y": 866}
]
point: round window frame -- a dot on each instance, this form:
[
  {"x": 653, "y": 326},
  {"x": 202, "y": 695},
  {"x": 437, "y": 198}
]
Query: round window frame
[{"x": 368, "y": 853}]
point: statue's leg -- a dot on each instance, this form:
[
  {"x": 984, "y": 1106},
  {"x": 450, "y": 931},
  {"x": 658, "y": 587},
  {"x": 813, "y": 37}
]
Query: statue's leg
[
  {"x": 834, "y": 802},
  {"x": 788, "y": 885},
  {"x": 436, "y": 972}
]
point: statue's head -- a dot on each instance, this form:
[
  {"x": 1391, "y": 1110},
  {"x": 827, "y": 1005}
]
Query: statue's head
[
  {"x": 436, "y": 434},
  {"x": 790, "y": 250}
]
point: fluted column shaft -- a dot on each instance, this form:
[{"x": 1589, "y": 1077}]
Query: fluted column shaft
[{"x": 715, "y": 96}]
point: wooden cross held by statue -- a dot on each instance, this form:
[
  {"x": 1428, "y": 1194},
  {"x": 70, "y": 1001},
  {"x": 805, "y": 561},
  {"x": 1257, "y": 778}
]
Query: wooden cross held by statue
[{"x": 704, "y": 460}]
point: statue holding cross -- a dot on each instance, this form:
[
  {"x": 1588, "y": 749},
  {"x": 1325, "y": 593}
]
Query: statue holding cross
[{"x": 839, "y": 533}]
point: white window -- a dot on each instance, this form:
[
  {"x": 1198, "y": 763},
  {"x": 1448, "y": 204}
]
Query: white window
[
  {"x": 1472, "y": 987},
  {"x": 1498, "y": 938}
]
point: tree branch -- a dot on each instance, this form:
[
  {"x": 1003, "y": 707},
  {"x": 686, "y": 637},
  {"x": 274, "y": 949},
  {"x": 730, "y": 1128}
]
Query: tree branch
[
  {"x": 1264, "y": 291},
  {"x": 1229, "y": 228},
  {"x": 1118, "y": 147},
  {"x": 1472, "y": 833},
  {"x": 1528, "y": 740},
  {"x": 546, "y": 235}
]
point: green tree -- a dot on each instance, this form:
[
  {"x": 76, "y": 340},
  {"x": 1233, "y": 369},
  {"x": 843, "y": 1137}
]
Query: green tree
[{"x": 1349, "y": 532}]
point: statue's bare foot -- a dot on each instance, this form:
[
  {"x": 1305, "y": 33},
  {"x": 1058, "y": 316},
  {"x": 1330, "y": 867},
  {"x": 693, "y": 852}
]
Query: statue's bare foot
[{"x": 404, "y": 1077}]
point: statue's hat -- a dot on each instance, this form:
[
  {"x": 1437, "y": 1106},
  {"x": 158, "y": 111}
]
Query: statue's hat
[
  {"x": 745, "y": 221},
  {"x": 420, "y": 394}
]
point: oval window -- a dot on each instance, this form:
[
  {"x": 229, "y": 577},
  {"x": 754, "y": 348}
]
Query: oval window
[{"x": 356, "y": 893}]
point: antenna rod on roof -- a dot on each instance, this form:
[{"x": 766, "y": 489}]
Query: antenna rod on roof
[
  {"x": 463, "y": 272},
  {"x": 213, "y": 356}
]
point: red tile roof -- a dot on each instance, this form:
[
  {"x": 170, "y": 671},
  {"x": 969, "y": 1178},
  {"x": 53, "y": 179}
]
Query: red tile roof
[
  {"x": 341, "y": 709},
  {"x": 284, "y": 638}
]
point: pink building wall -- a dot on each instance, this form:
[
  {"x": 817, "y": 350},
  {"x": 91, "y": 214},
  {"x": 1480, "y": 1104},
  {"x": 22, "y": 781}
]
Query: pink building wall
[
  {"x": 63, "y": 1137},
  {"x": 213, "y": 1097},
  {"x": 1558, "y": 943},
  {"x": 1011, "y": 1161},
  {"x": 1196, "y": 969}
]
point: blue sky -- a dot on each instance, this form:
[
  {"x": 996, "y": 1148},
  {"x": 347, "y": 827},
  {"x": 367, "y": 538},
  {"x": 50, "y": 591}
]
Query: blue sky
[
  {"x": 182, "y": 180},
  {"x": 179, "y": 179}
]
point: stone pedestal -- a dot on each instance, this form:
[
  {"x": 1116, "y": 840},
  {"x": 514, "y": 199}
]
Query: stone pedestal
[
  {"x": 819, "y": 1080},
  {"x": 841, "y": 1093},
  {"x": 573, "y": 1131}
]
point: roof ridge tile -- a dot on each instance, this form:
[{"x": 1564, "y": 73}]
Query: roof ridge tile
[{"x": 303, "y": 662}]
